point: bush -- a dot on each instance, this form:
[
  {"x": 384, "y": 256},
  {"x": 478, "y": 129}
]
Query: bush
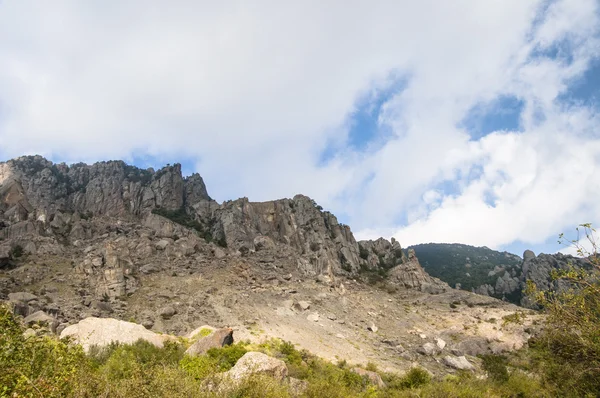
[
  {"x": 568, "y": 349},
  {"x": 415, "y": 377},
  {"x": 16, "y": 252},
  {"x": 226, "y": 357},
  {"x": 37, "y": 365},
  {"x": 495, "y": 366}
]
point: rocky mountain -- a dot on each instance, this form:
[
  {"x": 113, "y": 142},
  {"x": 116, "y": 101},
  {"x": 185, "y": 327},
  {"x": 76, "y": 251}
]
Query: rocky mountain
[
  {"x": 110, "y": 240},
  {"x": 491, "y": 273}
]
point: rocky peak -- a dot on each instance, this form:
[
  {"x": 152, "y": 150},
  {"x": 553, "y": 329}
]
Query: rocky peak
[
  {"x": 32, "y": 186},
  {"x": 64, "y": 204},
  {"x": 410, "y": 274}
]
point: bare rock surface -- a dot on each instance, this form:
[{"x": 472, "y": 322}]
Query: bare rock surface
[
  {"x": 460, "y": 363},
  {"x": 114, "y": 240},
  {"x": 258, "y": 363},
  {"x": 217, "y": 339},
  {"x": 103, "y": 331}
]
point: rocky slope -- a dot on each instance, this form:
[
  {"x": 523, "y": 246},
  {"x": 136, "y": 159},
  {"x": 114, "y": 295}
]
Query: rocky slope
[
  {"x": 112, "y": 240},
  {"x": 497, "y": 274}
]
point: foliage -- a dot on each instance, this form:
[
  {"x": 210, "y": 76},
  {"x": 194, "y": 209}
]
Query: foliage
[
  {"x": 181, "y": 217},
  {"x": 363, "y": 252},
  {"x": 568, "y": 349},
  {"x": 496, "y": 367},
  {"x": 16, "y": 252},
  {"x": 226, "y": 357},
  {"x": 48, "y": 367},
  {"x": 36, "y": 365}
]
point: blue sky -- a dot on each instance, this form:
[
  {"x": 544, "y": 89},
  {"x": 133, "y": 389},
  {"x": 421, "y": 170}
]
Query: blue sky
[{"x": 480, "y": 129}]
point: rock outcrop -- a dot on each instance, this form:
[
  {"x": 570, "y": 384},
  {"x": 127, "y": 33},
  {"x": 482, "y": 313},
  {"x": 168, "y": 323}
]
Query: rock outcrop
[
  {"x": 411, "y": 275},
  {"x": 216, "y": 339},
  {"x": 539, "y": 271},
  {"x": 257, "y": 363},
  {"x": 42, "y": 203},
  {"x": 103, "y": 331}
]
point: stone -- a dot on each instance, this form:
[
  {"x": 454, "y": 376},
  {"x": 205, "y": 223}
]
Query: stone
[
  {"x": 218, "y": 338},
  {"x": 460, "y": 363},
  {"x": 149, "y": 269},
  {"x": 103, "y": 331},
  {"x": 302, "y": 305},
  {"x": 411, "y": 275},
  {"x": 102, "y": 306},
  {"x": 162, "y": 244},
  {"x": 373, "y": 328},
  {"x": 201, "y": 330},
  {"x": 428, "y": 349},
  {"x": 441, "y": 344},
  {"x": 314, "y": 317},
  {"x": 373, "y": 377},
  {"x": 258, "y": 363},
  {"x": 23, "y": 297},
  {"x": 41, "y": 318},
  {"x": 167, "y": 312}
]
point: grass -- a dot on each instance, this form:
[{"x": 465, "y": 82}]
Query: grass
[{"x": 48, "y": 367}]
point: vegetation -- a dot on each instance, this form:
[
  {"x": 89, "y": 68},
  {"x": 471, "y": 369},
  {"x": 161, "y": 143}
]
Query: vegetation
[
  {"x": 47, "y": 367},
  {"x": 568, "y": 349},
  {"x": 452, "y": 262},
  {"x": 562, "y": 360},
  {"x": 181, "y": 217},
  {"x": 16, "y": 252}
]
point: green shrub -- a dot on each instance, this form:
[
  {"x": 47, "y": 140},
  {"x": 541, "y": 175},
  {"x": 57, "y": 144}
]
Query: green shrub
[
  {"x": 37, "y": 365},
  {"x": 199, "y": 367},
  {"x": 495, "y": 366},
  {"x": 16, "y": 252},
  {"x": 415, "y": 377},
  {"x": 227, "y": 356},
  {"x": 568, "y": 349}
]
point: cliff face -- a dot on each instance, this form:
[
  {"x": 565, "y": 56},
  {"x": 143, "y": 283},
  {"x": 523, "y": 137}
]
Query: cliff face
[
  {"x": 45, "y": 206},
  {"x": 33, "y": 188}
]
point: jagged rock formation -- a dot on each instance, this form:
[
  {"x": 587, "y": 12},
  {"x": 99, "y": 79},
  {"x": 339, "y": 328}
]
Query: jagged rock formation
[
  {"x": 326, "y": 247},
  {"x": 502, "y": 276},
  {"x": 42, "y": 203},
  {"x": 111, "y": 240},
  {"x": 539, "y": 271},
  {"x": 108, "y": 224},
  {"x": 477, "y": 269},
  {"x": 411, "y": 275}
]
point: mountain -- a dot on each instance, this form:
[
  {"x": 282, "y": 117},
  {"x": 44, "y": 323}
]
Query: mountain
[
  {"x": 152, "y": 247},
  {"x": 497, "y": 274}
]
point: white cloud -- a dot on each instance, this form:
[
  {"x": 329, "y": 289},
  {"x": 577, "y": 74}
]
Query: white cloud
[{"x": 253, "y": 92}]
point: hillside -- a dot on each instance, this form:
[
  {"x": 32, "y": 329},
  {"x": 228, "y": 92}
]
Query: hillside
[
  {"x": 469, "y": 267},
  {"x": 150, "y": 251}
]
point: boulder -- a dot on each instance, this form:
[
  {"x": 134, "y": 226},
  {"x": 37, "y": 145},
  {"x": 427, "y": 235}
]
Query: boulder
[
  {"x": 460, "y": 363},
  {"x": 41, "y": 318},
  {"x": 149, "y": 269},
  {"x": 428, "y": 349},
  {"x": 103, "y": 331},
  {"x": 218, "y": 338},
  {"x": 258, "y": 363},
  {"x": 201, "y": 330},
  {"x": 167, "y": 312},
  {"x": 373, "y": 377},
  {"x": 314, "y": 317},
  {"x": 441, "y": 344},
  {"x": 23, "y": 297},
  {"x": 303, "y": 305}
]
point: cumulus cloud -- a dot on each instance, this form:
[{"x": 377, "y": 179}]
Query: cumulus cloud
[{"x": 253, "y": 94}]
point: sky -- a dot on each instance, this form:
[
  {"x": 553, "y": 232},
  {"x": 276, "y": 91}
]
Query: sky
[{"x": 467, "y": 121}]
